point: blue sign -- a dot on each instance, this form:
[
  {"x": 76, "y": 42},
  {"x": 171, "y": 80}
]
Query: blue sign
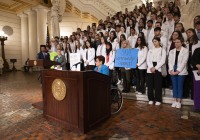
[{"x": 126, "y": 58}]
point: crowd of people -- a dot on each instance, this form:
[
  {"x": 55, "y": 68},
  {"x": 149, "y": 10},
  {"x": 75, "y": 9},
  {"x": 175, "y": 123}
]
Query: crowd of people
[{"x": 163, "y": 44}]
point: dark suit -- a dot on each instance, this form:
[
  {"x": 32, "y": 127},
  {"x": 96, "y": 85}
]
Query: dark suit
[{"x": 43, "y": 55}]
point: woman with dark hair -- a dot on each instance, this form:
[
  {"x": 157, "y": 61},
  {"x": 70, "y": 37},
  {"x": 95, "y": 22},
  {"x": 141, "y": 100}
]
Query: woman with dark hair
[
  {"x": 100, "y": 67},
  {"x": 177, "y": 61},
  {"x": 192, "y": 41},
  {"x": 110, "y": 57},
  {"x": 67, "y": 52},
  {"x": 132, "y": 38},
  {"x": 141, "y": 65},
  {"x": 179, "y": 27},
  {"x": 141, "y": 34},
  {"x": 128, "y": 28},
  {"x": 123, "y": 31},
  {"x": 88, "y": 56},
  {"x": 140, "y": 26},
  {"x": 72, "y": 41},
  {"x": 192, "y": 44},
  {"x": 122, "y": 38},
  {"x": 195, "y": 62},
  {"x": 101, "y": 34},
  {"x": 78, "y": 47},
  {"x": 113, "y": 40},
  {"x": 171, "y": 43},
  {"x": 155, "y": 59},
  {"x": 101, "y": 49}
]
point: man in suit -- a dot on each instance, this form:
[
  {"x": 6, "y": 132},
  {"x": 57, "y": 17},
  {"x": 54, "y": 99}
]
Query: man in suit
[{"x": 42, "y": 54}]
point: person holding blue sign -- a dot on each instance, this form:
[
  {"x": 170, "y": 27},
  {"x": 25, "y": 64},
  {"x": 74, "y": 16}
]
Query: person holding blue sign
[
  {"x": 141, "y": 65},
  {"x": 155, "y": 59},
  {"x": 126, "y": 72}
]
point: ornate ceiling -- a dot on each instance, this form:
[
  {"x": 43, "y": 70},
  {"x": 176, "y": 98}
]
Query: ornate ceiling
[{"x": 15, "y": 6}]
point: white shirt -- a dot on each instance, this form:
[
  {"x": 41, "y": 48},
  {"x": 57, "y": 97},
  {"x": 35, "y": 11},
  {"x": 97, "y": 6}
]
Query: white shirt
[
  {"x": 101, "y": 50},
  {"x": 91, "y": 56},
  {"x": 156, "y": 55},
  {"x": 132, "y": 41},
  {"x": 142, "y": 55},
  {"x": 110, "y": 63},
  {"x": 182, "y": 60}
]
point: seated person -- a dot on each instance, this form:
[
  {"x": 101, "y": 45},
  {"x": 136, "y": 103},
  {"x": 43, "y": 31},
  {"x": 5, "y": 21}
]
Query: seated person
[
  {"x": 61, "y": 59},
  {"x": 100, "y": 67},
  {"x": 43, "y": 54}
]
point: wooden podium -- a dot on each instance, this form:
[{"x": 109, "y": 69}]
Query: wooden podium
[
  {"x": 43, "y": 63},
  {"x": 87, "y": 99}
]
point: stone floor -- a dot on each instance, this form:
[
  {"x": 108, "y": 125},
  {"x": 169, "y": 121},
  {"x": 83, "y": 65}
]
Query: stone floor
[{"x": 136, "y": 121}]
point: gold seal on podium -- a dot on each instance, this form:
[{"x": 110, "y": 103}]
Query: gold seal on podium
[
  {"x": 35, "y": 63},
  {"x": 58, "y": 88}
]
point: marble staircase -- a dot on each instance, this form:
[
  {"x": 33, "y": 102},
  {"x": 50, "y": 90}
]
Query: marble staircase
[{"x": 167, "y": 96}]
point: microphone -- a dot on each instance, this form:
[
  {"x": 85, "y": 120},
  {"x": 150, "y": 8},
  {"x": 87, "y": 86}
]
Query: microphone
[{"x": 77, "y": 63}]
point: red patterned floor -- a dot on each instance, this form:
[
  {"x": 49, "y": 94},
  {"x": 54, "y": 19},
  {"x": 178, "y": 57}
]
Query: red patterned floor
[{"x": 137, "y": 120}]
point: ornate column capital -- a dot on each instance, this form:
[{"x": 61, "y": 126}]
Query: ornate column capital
[
  {"x": 29, "y": 12},
  {"x": 22, "y": 15},
  {"x": 41, "y": 8}
]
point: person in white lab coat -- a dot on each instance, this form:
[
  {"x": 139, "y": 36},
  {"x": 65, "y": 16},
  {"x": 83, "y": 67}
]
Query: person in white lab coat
[
  {"x": 110, "y": 57},
  {"x": 101, "y": 49},
  {"x": 141, "y": 65},
  {"x": 156, "y": 58},
  {"x": 89, "y": 56},
  {"x": 177, "y": 61}
]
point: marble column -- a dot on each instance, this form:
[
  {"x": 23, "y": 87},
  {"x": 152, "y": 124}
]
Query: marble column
[
  {"x": 24, "y": 37},
  {"x": 32, "y": 26},
  {"x": 41, "y": 12}
]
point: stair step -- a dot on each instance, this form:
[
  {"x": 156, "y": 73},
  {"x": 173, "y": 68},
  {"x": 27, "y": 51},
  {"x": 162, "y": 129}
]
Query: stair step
[{"x": 167, "y": 97}]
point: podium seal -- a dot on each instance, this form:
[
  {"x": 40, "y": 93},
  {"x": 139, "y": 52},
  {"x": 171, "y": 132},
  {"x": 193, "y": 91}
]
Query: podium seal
[
  {"x": 35, "y": 63},
  {"x": 58, "y": 88}
]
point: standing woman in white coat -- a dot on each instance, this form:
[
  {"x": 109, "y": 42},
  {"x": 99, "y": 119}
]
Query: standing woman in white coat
[
  {"x": 155, "y": 59},
  {"x": 113, "y": 40},
  {"x": 177, "y": 62},
  {"x": 88, "y": 56},
  {"x": 192, "y": 43},
  {"x": 110, "y": 57},
  {"x": 141, "y": 65},
  {"x": 101, "y": 49}
]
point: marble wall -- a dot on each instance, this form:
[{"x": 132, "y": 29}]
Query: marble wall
[
  {"x": 13, "y": 48},
  {"x": 71, "y": 22},
  {"x": 13, "y": 44}
]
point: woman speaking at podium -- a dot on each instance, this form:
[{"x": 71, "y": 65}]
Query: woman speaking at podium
[{"x": 100, "y": 67}]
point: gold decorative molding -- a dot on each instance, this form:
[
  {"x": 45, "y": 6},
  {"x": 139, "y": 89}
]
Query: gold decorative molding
[{"x": 18, "y": 6}]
